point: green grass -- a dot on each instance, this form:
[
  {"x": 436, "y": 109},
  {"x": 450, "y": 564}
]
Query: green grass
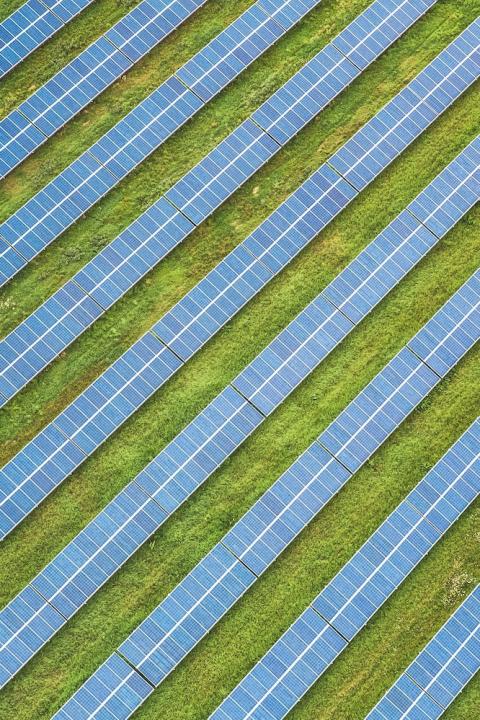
[{"x": 397, "y": 633}]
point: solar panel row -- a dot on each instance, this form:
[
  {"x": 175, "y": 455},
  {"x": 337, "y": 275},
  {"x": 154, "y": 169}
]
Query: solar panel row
[
  {"x": 440, "y": 672},
  {"x": 190, "y": 611},
  {"x": 106, "y": 278},
  {"x": 114, "y": 535},
  {"x": 101, "y": 408},
  {"x": 56, "y": 102},
  {"x": 32, "y": 24},
  {"x": 100, "y": 168},
  {"x": 312, "y": 643}
]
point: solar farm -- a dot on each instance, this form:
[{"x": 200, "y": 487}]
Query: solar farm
[{"x": 239, "y": 359}]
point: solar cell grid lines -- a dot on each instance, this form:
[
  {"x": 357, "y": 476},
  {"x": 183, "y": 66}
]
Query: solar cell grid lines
[
  {"x": 347, "y": 603},
  {"x": 31, "y": 25},
  {"x": 105, "y": 415},
  {"x": 440, "y": 671},
  {"x": 189, "y": 612},
  {"x": 87, "y": 75},
  {"x": 114, "y": 535},
  {"x": 62, "y": 202}
]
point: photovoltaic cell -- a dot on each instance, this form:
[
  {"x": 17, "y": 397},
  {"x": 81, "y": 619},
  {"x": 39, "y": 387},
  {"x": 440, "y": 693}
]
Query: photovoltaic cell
[
  {"x": 87, "y": 75},
  {"x": 116, "y": 690},
  {"x": 378, "y": 409},
  {"x": 26, "y": 624},
  {"x": 377, "y": 144},
  {"x": 292, "y": 355},
  {"x": 198, "y": 193},
  {"x": 26, "y": 29},
  {"x": 161, "y": 641},
  {"x": 286, "y": 12},
  {"x": 286, "y": 508},
  {"x": 448, "y": 335},
  {"x": 199, "y": 449},
  {"x": 228, "y": 54},
  {"x": 132, "y": 139},
  {"x": 348, "y": 602},
  {"x": 440, "y": 672}
]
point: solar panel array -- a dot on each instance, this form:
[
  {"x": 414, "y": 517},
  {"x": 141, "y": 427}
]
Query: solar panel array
[
  {"x": 100, "y": 168},
  {"x": 53, "y": 454},
  {"x": 62, "y": 97},
  {"x": 32, "y": 24},
  {"x": 440, "y": 672},
  {"x": 190, "y": 611},
  {"x": 106, "y": 278},
  {"x": 312, "y": 643},
  {"x": 116, "y": 533}
]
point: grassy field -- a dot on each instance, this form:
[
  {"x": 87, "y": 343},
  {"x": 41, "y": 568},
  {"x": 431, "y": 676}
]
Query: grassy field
[{"x": 406, "y": 622}]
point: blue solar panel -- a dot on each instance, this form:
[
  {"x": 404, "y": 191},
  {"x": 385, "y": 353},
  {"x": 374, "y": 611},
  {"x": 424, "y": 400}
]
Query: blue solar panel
[
  {"x": 198, "y": 193},
  {"x": 161, "y": 641},
  {"x": 40, "y": 338},
  {"x": 287, "y": 12},
  {"x": 133, "y": 253},
  {"x": 116, "y": 690},
  {"x": 34, "y": 472},
  {"x": 132, "y": 139},
  {"x": 26, "y": 624},
  {"x": 286, "y": 508},
  {"x": 370, "y": 33},
  {"x": 452, "y": 193},
  {"x": 292, "y": 355},
  {"x": 230, "y": 52},
  {"x": 18, "y": 138},
  {"x": 370, "y": 418},
  {"x": 99, "y": 550},
  {"x": 289, "y": 109},
  {"x": 376, "y": 145},
  {"x": 378, "y": 268},
  {"x": 199, "y": 449},
  {"x": 300, "y": 218},
  {"x": 24, "y": 31},
  {"x": 443, "y": 341},
  {"x": 212, "y": 302},
  {"x": 286, "y": 671},
  {"x": 441, "y": 670}
]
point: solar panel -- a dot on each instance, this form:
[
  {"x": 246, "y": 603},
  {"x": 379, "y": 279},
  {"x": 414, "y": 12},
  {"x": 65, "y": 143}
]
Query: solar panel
[
  {"x": 292, "y": 355},
  {"x": 197, "y": 603},
  {"x": 375, "y": 413},
  {"x": 448, "y": 335},
  {"x": 26, "y": 623},
  {"x": 440, "y": 672},
  {"x": 199, "y": 449},
  {"x": 87, "y": 75},
  {"x": 148, "y": 239},
  {"x": 348, "y": 602},
  {"x": 32, "y": 24},
  {"x": 63, "y": 201},
  {"x": 91, "y": 422},
  {"x": 117, "y": 689}
]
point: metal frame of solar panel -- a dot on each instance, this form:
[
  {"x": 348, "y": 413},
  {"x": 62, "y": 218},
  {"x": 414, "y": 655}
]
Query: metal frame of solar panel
[
  {"x": 101, "y": 408},
  {"x": 106, "y": 278},
  {"x": 349, "y": 601},
  {"x": 108, "y": 161},
  {"x": 62, "y": 97},
  {"x": 112, "y": 537},
  {"x": 441, "y": 670},
  {"x": 201, "y": 599},
  {"x": 32, "y": 24}
]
